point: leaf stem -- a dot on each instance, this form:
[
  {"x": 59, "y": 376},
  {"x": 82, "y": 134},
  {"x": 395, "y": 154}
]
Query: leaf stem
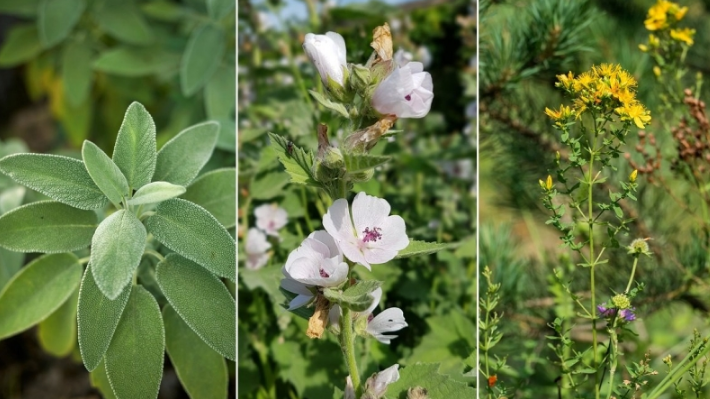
[
  {"x": 633, "y": 271},
  {"x": 347, "y": 344}
]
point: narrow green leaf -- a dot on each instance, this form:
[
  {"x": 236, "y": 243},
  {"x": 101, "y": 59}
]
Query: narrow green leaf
[
  {"x": 424, "y": 248},
  {"x": 10, "y": 263},
  {"x": 194, "y": 233},
  {"x": 116, "y": 251},
  {"x": 61, "y": 178},
  {"x": 97, "y": 319},
  {"x": 201, "y": 58},
  {"x": 47, "y": 226},
  {"x": 220, "y": 97},
  {"x": 202, "y": 301},
  {"x": 155, "y": 192},
  {"x": 76, "y": 72},
  {"x": 201, "y": 370},
  {"x": 216, "y": 191},
  {"x": 218, "y": 9},
  {"x": 182, "y": 158},
  {"x": 37, "y": 291},
  {"x": 337, "y": 107},
  {"x": 135, "y": 152},
  {"x": 99, "y": 380},
  {"x": 361, "y": 162},
  {"x": 56, "y": 18},
  {"x": 57, "y": 333},
  {"x": 298, "y": 163},
  {"x": 124, "y": 21},
  {"x": 104, "y": 172},
  {"x": 133, "y": 62},
  {"x": 134, "y": 360},
  {"x": 21, "y": 45}
]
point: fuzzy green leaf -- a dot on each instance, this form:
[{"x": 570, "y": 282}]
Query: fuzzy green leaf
[
  {"x": 37, "y": 291},
  {"x": 61, "y": 178},
  {"x": 426, "y": 375},
  {"x": 194, "y": 233},
  {"x": 182, "y": 158},
  {"x": 135, "y": 152},
  {"x": 133, "y": 62},
  {"x": 298, "y": 163},
  {"x": 47, "y": 226},
  {"x": 134, "y": 360},
  {"x": 56, "y": 18},
  {"x": 155, "y": 192},
  {"x": 97, "y": 319},
  {"x": 201, "y": 58},
  {"x": 11, "y": 198},
  {"x": 10, "y": 263},
  {"x": 57, "y": 333},
  {"x": 216, "y": 191},
  {"x": 116, "y": 251},
  {"x": 337, "y": 107},
  {"x": 202, "y": 301},
  {"x": 99, "y": 380},
  {"x": 76, "y": 72},
  {"x": 219, "y": 93},
  {"x": 201, "y": 370},
  {"x": 21, "y": 44},
  {"x": 218, "y": 9},
  {"x": 361, "y": 162},
  {"x": 424, "y": 248},
  {"x": 124, "y": 21},
  {"x": 104, "y": 172}
]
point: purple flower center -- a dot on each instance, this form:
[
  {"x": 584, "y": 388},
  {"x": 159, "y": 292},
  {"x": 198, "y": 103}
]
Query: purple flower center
[
  {"x": 370, "y": 317},
  {"x": 408, "y": 97},
  {"x": 371, "y": 235},
  {"x": 324, "y": 274}
]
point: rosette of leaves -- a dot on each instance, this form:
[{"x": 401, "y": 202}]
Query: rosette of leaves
[{"x": 156, "y": 266}]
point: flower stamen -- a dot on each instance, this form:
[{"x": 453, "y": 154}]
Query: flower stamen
[{"x": 371, "y": 235}]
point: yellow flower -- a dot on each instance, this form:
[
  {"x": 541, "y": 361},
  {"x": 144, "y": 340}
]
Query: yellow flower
[
  {"x": 563, "y": 113},
  {"x": 658, "y": 15},
  {"x": 683, "y": 35},
  {"x": 636, "y": 113},
  {"x": 548, "y": 182},
  {"x": 653, "y": 41},
  {"x": 680, "y": 13},
  {"x": 632, "y": 176},
  {"x": 643, "y": 47},
  {"x": 657, "y": 71}
]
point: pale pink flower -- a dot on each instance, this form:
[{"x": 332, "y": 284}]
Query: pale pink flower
[
  {"x": 255, "y": 246},
  {"x": 389, "y": 320},
  {"x": 270, "y": 218},
  {"x": 327, "y": 52},
  {"x": 376, "y": 386},
  {"x": 406, "y": 93}
]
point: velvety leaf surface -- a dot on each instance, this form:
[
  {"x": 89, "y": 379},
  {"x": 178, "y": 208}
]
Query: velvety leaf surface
[
  {"x": 57, "y": 333},
  {"x": 20, "y": 45},
  {"x": 104, "y": 172},
  {"x": 37, "y": 291},
  {"x": 135, "y": 152},
  {"x": 155, "y": 192},
  {"x": 201, "y": 58},
  {"x": 47, "y": 226},
  {"x": 10, "y": 263},
  {"x": 182, "y": 158},
  {"x": 99, "y": 380},
  {"x": 216, "y": 191},
  {"x": 202, "y": 301},
  {"x": 61, "y": 178},
  {"x": 218, "y": 9},
  {"x": 220, "y": 98},
  {"x": 56, "y": 19},
  {"x": 76, "y": 72},
  {"x": 124, "y": 21},
  {"x": 131, "y": 61}
]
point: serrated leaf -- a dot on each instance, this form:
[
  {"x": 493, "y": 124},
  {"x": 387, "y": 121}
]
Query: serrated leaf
[
  {"x": 201, "y": 370},
  {"x": 426, "y": 375},
  {"x": 194, "y": 233},
  {"x": 124, "y": 21},
  {"x": 48, "y": 227},
  {"x": 216, "y": 191},
  {"x": 155, "y": 192},
  {"x": 104, "y": 172},
  {"x": 97, "y": 319},
  {"x": 56, "y": 18},
  {"x": 21, "y": 44},
  {"x": 134, "y": 152},
  {"x": 220, "y": 97},
  {"x": 116, "y": 251},
  {"x": 218, "y": 9},
  {"x": 298, "y": 163},
  {"x": 133, "y": 62},
  {"x": 357, "y": 303},
  {"x": 37, "y": 291},
  {"x": 337, "y": 107},
  {"x": 202, "y": 301},
  {"x": 424, "y": 248},
  {"x": 57, "y": 333},
  {"x": 182, "y": 158},
  {"x": 99, "y": 380},
  {"x": 76, "y": 72},
  {"x": 201, "y": 58},
  {"x": 361, "y": 162},
  {"x": 134, "y": 360},
  {"x": 61, "y": 178}
]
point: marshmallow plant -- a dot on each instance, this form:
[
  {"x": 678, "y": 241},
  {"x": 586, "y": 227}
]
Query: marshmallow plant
[
  {"x": 133, "y": 259},
  {"x": 322, "y": 276}
]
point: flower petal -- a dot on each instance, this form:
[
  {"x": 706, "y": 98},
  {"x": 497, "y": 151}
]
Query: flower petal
[
  {"x": 369, "y": 212},
  {"x": 389, "y": 320}
]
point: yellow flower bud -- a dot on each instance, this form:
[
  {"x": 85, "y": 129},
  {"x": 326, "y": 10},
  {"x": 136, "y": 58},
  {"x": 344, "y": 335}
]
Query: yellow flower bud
[
  {"x": 657, "y": 71},
  {"x": 548, "y": 182},
  {"x": 632, "y": 176}
]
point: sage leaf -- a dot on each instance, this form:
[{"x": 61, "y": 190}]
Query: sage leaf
[
  {"x": 99, "y": 380},
  {"x": 124, "y": 21},
  {"x": 134, "y": 360},
  {"x": 76, "y": 72},
  {"x": 134, "y": 152},
  {"x": 216, "y": 191},
  {"x": 132, "y": 62},
  {"x": 37, "y": 291},
  {"x": 57, "y": 18},
  {"x": 61, "y": 178},
  {"x": 219, "y": 93},
  {"x": 116, "y": 251},
  {"x": 201, "y": 370},
  {"x": 57, "y": 333},
  {"x": 10, "y": 263},
  {"x": 97, "y": 319},
  {"x": 21, "y": 44},
  {"x": 47, "y": 226},
  {"x": 218, "y": 9},
  {"x": 104, "y": 172},
  {"x": 201, "y": 58},
  {"x": 194, "y": 233},
  {"x": 155, "y": 192},
  {"x": 182, "y": 158},
  {"x": 202, "y": 301}
]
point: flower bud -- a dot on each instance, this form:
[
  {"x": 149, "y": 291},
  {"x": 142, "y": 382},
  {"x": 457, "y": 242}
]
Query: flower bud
[
  {"x": 364, "y": 139},
  {"x": 405, "y": 93},
  {"x": 327, "y": 52},
  {"x": 632, "y": 176},
  {"x": 548, "y": 183}
]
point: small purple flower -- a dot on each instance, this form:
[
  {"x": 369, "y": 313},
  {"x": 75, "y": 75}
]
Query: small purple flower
[{"x": 628, "y": 314}]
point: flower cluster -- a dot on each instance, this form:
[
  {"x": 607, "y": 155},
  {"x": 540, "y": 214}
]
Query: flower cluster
[
  {"x": 621, "y": 305},
  {"x": 604, "y": 90},
  {"x": 270, "y": 218},
  {"x": 666, "y": 37}
]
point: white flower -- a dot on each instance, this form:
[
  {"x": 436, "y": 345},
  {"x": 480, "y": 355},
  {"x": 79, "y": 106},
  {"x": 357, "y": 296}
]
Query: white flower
[
  {"x": 402, "y": 57},
  {"x": 405, "y": 93},
  {"x": 375, "y": 237},
  {"x": 256, "y": 246},
  {"x": 317, "y": 262},
  {"x": 389, "y": 320},
  {"x": 376, "y": 385},
  {"x": 327, "y": 52},
  {"x": 270, "y": 218}
]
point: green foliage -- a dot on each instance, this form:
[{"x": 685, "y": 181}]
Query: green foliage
[
  {"x": 57, "y": 333},
  {"x": 182, "y": 158},
  {"x": 216, "y": 192},
  {"x": 427, "y": 375},
  {"x": 135, "y": 152},
  {"x": 202, "y": 56},
  {"x": 105, "y": 173}
]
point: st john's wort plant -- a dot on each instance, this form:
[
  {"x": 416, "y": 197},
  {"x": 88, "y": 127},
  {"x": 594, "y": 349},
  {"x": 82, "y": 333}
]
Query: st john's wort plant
[
  {"x": 137, "y": 258},
  {"x": 321, "y": 280}
]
